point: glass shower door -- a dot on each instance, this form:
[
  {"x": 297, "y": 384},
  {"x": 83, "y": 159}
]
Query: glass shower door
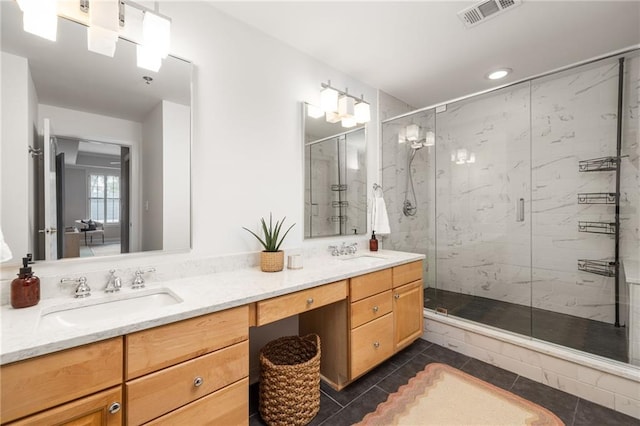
[{"x": 483, "y": 227}]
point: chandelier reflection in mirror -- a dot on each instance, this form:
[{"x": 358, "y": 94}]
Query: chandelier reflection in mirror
[
  {"x": 106, "y": 22},
  {"x": 338, "y": 106}
]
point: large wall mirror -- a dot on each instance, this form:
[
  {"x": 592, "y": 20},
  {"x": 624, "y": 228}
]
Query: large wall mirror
[
  {"x": 335, "y": 170},
  {"x": 110, "y": 170}
]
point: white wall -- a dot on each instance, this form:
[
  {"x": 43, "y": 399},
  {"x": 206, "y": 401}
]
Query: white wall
[
  {"x": 151, "y": 173},
  {"x": 16, "y": 136},
  {"x": 247, "y": 126},
  {"x": 176, "y": 196}
]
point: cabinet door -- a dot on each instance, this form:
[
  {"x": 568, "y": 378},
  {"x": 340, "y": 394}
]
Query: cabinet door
[
  {"x": 407, "y": 313},
  {"x": 100, "y": 409}
]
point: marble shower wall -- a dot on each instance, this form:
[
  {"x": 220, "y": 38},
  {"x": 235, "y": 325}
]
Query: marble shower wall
[
  {"x": 482, "y": 170},
  {"x": 574, "y": 118},
  {"x": 410, "y": 233}
]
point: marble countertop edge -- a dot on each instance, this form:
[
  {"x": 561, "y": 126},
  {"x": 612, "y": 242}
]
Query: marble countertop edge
[{"x": 22, "y": 338}]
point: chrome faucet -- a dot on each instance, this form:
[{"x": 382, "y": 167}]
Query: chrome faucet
[
  {"x": 114, "y": 284},
  {"x": 334, "y": 251},
  {"x": 352, "y": 248},
  {"x": 138, "y": 281},
  {"x": 82, "y": 289}
]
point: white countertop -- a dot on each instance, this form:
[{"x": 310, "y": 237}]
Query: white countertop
[{"x": 24, "y": 337}]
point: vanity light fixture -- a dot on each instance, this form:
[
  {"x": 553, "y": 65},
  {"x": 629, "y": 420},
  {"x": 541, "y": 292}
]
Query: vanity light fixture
[
  {"x": 314, "y": 111},
  {"x": 462, "y": 156},
  {"x": 40, "y": 17},
  {"x": 416, "y": 135},
  {"x": 102, "y": 32},
  {"x": 498, "y": 74},
  {"x": 339, "y": 105},
  {"x": 412, "y": 132},
  {"x": 106, "y": 21}
]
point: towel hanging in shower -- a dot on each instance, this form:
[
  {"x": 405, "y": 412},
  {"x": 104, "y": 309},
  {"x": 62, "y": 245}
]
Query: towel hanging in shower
[{"x": 379, "y": 216}]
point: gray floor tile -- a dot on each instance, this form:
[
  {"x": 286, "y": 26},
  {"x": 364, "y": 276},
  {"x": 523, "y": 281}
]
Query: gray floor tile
[
  {"x": 560, "y": 403},
  {"x": 402, "y": 375},
  {"x": 446, "y": 356},
  {"x": 489, "y": 373},
  {"x": 590, "y": 414},
  {"x": 409, "y": 352},
  {"x": 358, "y": 408}
]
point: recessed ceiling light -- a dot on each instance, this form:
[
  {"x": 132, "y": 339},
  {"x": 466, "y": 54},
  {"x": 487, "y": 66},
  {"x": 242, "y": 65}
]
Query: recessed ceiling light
[{"x": 498, "y": 74}]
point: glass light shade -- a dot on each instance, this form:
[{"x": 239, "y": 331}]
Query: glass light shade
[
  {"x": 346, "y": 107},
  {"x": 429, "y": 138},
  {"x": 156, "y": 32},
  {"x": 413, "y": 132},
  {"x": 148, "y": 59},
  {"x": 348, "y": 122},
  {"x": 102, "y": 41},
  {"x": 40, "y": 17},
  {"x": 402, "y": 135},
  {"x": 104, "y": 14},
  {"x": 362, "y": 112},
  {"x": 314, "y": 111},
  {"x": 329, "y": 100},
  {"x": 332, "y": 117},
  {"x": 472, "y": 158}
]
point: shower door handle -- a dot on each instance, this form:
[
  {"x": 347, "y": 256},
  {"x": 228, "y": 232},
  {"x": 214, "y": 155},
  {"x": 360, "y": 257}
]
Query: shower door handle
[{"x": 520, "y": 210}]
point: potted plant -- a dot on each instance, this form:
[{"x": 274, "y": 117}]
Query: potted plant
[{"x": 271, "y": 258}]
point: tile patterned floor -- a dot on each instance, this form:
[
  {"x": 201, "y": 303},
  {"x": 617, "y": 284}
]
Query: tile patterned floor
[
  {"x": 363, "y": 396},
  {"x": 594, "y": 337}
]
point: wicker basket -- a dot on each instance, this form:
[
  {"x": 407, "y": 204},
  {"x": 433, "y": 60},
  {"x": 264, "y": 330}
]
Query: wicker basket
[
  {"x": 290, "y": 380},
  {"x": 271, "y": 261}
]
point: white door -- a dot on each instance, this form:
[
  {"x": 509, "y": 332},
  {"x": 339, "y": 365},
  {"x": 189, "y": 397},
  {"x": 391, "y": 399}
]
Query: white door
[{"x": 50, "y": 218}]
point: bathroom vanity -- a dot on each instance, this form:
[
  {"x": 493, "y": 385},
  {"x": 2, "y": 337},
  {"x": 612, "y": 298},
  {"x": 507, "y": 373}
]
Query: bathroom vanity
[{"x": 179, "y": 364}]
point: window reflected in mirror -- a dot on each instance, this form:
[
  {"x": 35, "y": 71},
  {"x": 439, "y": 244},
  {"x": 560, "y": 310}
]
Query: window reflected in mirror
[{"x": 335, "y": 178}]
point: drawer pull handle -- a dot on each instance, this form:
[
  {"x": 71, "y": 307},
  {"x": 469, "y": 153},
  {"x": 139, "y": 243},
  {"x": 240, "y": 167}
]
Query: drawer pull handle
[
  {"x": 114, "y": 408},
  {"x": 375, "y": 309},
  {"x": 309, "y": 300},
  {"x": 376, "y": 345},
  {"x": 397, "y": 296},
  {"x": 198, "y": 381}
]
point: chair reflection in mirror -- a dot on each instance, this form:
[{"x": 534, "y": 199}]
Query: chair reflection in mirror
[{"x": 91, "y": 228}]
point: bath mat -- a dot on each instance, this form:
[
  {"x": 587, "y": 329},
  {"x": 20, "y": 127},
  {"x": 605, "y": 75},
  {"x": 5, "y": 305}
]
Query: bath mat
[{"x": 443, "y": 395}]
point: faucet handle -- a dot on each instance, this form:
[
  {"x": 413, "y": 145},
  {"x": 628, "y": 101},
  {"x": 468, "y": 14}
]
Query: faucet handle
[
  {"x": 138, "y": 281},
  {"x": 334, "y": 250},
  {"x": 82, "y": 290}
]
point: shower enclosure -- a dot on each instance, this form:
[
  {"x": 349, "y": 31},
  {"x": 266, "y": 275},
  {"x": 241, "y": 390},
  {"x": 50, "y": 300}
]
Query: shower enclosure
[{"x": 527, "y": 204}]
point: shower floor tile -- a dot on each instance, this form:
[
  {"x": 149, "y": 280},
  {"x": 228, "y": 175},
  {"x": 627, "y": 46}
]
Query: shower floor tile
[{"x": 587, "y": 335}]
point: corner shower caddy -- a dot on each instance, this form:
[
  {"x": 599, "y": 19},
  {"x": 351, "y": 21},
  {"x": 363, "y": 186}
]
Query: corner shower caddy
[{"x": 607, "y": 268}]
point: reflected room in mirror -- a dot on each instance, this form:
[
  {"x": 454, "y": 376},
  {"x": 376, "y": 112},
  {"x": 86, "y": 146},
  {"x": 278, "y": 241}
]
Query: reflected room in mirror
[
  {"x": 102, "y": 146},
  {"x": 335, "y": 169}
]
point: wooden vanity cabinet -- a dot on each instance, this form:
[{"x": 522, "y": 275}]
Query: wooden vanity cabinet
[
  {"x": 192, "y": 369},
  {"x": 65, "y": 387},
  {"x": 408, "y": 304},
  {"x": 382, "y": 315}
]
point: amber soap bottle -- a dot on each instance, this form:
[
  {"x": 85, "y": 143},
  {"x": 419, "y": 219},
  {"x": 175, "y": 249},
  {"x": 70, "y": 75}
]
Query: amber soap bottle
[
  {"x": 373, "y": 242},
  {"x": 25, "y": 290}
]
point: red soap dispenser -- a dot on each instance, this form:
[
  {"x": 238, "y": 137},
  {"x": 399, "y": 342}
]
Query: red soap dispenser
[{"x": 25, "y": 290}]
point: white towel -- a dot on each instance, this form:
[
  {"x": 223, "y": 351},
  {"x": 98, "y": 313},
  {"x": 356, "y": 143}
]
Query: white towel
[
  {"x": 379, "y": 216},
  {"x": 5, "y": 251}
]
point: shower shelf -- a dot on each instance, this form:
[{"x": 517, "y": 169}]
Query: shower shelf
[
  {"x": 597, "y": 198},
  {"x": 340, "y": 204},
  {"x": 341, "y": 219},
  {"x": 599, "y": 267},
  {"x": 597, "y": 227},
  {"x": 339, "y": 187},
  {"x": 602, "y": 164}
]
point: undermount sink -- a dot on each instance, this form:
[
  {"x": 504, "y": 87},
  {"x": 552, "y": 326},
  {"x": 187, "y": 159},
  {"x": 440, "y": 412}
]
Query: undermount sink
[
  {"x": 365, "y": 256},
  {"x": 101, "y": 310}
]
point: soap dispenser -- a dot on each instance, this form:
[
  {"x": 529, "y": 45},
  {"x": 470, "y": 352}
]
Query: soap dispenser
[
  {"x": 25, "y": 290},
  {"x": 373, "y": 242}
]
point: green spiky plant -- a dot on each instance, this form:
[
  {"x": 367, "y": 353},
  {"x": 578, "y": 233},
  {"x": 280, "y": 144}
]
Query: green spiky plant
[{"x": 271, "y": 241}]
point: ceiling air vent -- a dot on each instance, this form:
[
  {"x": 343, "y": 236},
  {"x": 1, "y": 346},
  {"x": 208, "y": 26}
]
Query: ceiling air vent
[{"x": 484, "y": 10}]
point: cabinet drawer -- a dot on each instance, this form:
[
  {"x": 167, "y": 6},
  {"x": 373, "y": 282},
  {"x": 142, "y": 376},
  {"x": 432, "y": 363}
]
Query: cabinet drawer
[
  {"x": 371, "y": 344},
  {"x": 170, "y": 344},
  {"x": 407, "y": 273},
  {"x": 90, "y": 410},
  {"x": 158, "y": 393},
  {"x": 292, "y": 304},
  {"x": 49, "y": 380},
  {"x": 369, "y": 284},
  {"x": 228, "y": 406},
  {"x": 370, "y": 308}
]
